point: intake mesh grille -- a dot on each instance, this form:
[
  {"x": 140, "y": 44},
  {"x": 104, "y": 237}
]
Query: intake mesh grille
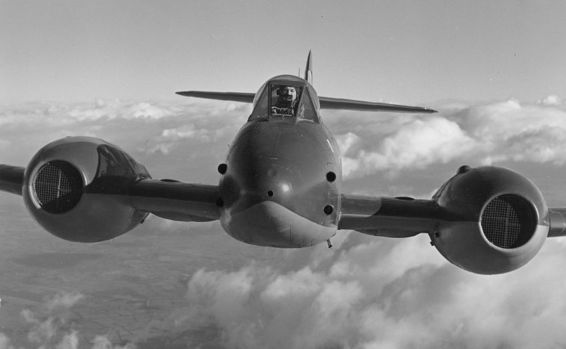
[
  {"x": 508, "y": 221},
  {"x": 58, "y": 186}
]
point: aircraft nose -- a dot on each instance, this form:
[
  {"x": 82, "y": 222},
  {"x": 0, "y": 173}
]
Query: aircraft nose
[
  {"x": 253, "y": 181},
  {"x": 276, "y": 173},
  {"x": 270, "y": 224}
]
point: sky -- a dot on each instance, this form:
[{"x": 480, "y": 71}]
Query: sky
[
  {"x": 493, "y": 70},
  {"x": 399, "y": 51}
]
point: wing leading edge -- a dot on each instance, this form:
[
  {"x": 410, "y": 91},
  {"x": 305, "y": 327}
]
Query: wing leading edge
[
  {"x": 165, "y": 198},
  {"x": 406, "y": 217},
  {"x": 389, "y": 217},
  {"x": 176, "y": 200},
  {"x": 11, "y": 179}
]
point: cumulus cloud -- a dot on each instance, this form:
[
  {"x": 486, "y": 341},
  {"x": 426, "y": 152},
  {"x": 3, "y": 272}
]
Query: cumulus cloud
[
  {"x": 52, "y": 326},
  {"x": 380, "y": 294},
  {"x": 487, "y": 133},
  {"x": 365, "y": 292},
  {"x": 417, "y": 144},
  {"x": 171, "y": 138},
  {"x": 63, "y": 300},
  {"x": 551, "y": 100},
  {"x": 5, "y": 342},
  {"x": 146, "y": 130},
  {"x": 480, "y": 134}
]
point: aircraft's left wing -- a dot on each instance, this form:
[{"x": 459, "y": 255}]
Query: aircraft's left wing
[
  {"x": 487, "y": 220},
  {"x": 389, "y": 217}
]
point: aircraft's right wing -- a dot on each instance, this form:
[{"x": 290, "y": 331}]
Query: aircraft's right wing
[
  {"x": 168, "y": 199},
  {"x": 86, "y": 189},
  {"x": 243, "y": 97}
]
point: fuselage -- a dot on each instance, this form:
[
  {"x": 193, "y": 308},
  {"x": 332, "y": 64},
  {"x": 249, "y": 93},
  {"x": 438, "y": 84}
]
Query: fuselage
[{"x": 281, "y": 181}]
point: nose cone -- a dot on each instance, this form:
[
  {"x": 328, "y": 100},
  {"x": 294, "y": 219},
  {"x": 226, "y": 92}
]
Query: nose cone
[
  {"x": 270, "y": 224},
  {"x": 275, "y": 190},
  {"x": 263, "y": 178}
]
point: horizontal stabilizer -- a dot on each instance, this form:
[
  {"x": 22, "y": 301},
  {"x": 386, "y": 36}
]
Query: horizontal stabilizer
[
  {"x": 222, "y": 96},
  {"x": 350, "y": 104},
  {"x": 325, "y": 102}
]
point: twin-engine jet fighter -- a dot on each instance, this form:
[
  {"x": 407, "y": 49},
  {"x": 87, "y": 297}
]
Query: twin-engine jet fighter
[{"x": 281, "y": 186}]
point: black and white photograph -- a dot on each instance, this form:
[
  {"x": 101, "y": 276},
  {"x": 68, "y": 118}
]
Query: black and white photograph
[{"x": 372, "y": 174}]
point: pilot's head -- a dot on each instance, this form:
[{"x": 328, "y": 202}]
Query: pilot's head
[{"x": 287, "y": 95}]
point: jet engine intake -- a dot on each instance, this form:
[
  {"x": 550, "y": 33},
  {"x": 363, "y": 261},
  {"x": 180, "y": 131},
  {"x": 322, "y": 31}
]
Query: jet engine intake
[
  {"x": 76, "y": 188},
  {"x": 495, "y": 220}
]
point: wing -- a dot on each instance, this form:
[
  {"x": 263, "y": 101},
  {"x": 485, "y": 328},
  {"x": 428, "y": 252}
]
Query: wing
[
  {"x": 165, "y": 198},
  {"x": 11, "y": 179},
  {"x": 390, "y": 217},
  {"x": 176, "y": 200},
  {"x": 350, "y": 104},
  {"x": 405, "y": 217},
  {"x": 557, "y": 222}
]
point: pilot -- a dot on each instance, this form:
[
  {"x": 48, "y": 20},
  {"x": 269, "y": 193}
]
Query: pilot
[{"x": 286, "y": 100}]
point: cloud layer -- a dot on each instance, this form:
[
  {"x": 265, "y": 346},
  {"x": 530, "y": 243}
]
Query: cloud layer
[
  {"x": 53, "y": 326},
  {"x": 488, "y": 133},
  {"x": 381, "y": 294},
  {"x": 365, "y": 292}
]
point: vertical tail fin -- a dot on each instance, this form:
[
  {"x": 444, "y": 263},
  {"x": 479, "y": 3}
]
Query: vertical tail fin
[{"x": 308, "y": 69}]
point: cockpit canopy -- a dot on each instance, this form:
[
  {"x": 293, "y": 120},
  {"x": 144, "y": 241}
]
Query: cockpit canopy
[{"x": 286, "y": 97}]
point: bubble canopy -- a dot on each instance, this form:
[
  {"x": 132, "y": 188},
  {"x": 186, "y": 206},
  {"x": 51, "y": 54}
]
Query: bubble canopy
[{"x": 286, "y": 97}]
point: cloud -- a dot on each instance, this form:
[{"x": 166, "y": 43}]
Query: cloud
[
  {"x": 102, "y": 342},
  {"x": 481, "y": 134},
  {"x": 69, "y": 341},
  {"x": 417, "y": 144},
  {"x": 510, "y": 131},
  {"x": 52, "y": 326},
  {"x": 63, "y": 300},
  {"x": 365, "y": 292},
  {"x": 487, "y": 133},
  {"x": 146, "y": 130},
  {"x": 5, "y": 342},
  {"x": 550, "y": 100},
  {"x": 375, "y": 293}
]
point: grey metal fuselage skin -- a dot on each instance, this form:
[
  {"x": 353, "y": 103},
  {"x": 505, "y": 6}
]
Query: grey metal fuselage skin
[{"x": 281, "y": 184}]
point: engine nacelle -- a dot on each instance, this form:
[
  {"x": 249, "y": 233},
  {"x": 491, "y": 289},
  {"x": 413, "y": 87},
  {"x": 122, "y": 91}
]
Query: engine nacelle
[
  {"x": 496, "y": 220},
  {"x": 75, "y": 188}
]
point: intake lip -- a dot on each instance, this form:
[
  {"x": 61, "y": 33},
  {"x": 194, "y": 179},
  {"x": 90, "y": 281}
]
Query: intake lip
[
  {"x": 57, "y": 187},
  {"x": 508, "y": 221}
]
